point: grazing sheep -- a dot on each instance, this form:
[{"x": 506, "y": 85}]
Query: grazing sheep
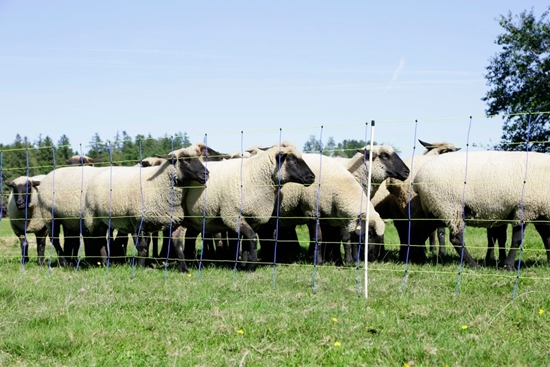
[
  {"x": 335, "y": 197},
  {"x": 391, "y": 200},
  {"x": 490, "y": 189},
  {"x": 144, "y": 200},
  {"x": 82, "y": 160},
  {"x": 25, "y": 215},
  {"x": 241, "y": 194}
]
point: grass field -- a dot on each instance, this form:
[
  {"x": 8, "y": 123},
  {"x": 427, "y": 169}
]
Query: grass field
[{"x": 122, "y": 316}]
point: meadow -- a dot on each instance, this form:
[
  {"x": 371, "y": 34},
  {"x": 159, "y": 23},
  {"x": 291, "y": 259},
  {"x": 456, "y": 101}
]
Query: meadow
[{"x": 275, "y": 316}]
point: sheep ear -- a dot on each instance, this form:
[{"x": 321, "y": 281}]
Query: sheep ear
[
  {"x": 217, "y": 156},
  {"x": 96, "y": 160},
  {"x": 145, "y": 164},
  {"x": 457, "y": 149},
  {"x": 9, "y": 183},
  {"x": 165, "y": 156},
  {"x": 426, "y": 145},
  {"x": 35, "y": 183}
]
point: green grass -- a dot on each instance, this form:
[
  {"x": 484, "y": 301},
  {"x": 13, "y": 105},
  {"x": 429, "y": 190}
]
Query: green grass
[{"x": 106, "y": 317}]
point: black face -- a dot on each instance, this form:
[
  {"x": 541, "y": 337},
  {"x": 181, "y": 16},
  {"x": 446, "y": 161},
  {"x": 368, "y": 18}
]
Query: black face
[
  {"x": 395, "y": 167},
  {"x": 297, "y": 169},
  {"x": 190, "y": 169},
  {"x": 20, "y": 193}
]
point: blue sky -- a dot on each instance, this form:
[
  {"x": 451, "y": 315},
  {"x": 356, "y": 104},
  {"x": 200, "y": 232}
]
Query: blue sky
[{"x": 246, "y": 73}]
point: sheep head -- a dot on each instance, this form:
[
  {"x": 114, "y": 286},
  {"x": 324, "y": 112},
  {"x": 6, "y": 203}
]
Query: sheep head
[
  {"x": 187, "y": 165},
  {"x": 291, "y": 167},
  {"x": 82, "y": 160},
  {"x": 438, "y": 148},
  {"x": 22, "y": 188},
  {"x": 385, "y": 163}
]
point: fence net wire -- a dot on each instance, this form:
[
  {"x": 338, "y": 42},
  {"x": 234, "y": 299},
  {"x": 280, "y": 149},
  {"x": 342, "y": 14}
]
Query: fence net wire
[{"x": 117, "y": 211}]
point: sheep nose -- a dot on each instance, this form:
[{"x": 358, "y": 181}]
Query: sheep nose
[{"x": 206, "y": 174}]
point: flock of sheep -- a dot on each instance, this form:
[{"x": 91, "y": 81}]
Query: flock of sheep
[{"x": 258, "y": 197}]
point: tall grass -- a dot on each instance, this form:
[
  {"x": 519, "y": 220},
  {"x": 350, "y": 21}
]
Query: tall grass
[{"x": 272, "y": 317}]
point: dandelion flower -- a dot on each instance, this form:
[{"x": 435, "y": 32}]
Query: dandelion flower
[
  {"x": 541, "y": 311},
  {"x": 337, "y": 344},
  {"x": 240, "y": 331},
  {"x": 405, "y": 365},
  {"x": 189, "y": 275},
  {"x": 334, "y": 319},
  {"x": 464, "y": 327}
]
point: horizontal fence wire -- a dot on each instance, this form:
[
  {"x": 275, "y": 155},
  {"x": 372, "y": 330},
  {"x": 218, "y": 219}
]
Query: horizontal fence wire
[{"x": 138, "y": 231}]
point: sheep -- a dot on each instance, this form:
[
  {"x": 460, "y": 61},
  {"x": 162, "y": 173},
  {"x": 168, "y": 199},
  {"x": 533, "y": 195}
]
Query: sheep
[
  {"x": 25, "y": 216},
  {"x": 337, "y": 198},
  {"x": 391, "y": 200},
  {"x": 494, "y": 188},
  {"x": 241, "y": 194},
  {"x": 82, "y": 160},
  {"x": 144, "y": 200},
  {"x": 385, "y": 163},
  {"x": 61, "y": 203}
]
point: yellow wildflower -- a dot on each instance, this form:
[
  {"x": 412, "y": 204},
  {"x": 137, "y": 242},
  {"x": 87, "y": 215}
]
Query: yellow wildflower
[
  {"x": 541, "y": 311},
  {"x": 337, "y": 344},
  {"x": 464, "y": 327},
  {"x": 240, "y": 331},
  {"x": 334, "y": 319}
]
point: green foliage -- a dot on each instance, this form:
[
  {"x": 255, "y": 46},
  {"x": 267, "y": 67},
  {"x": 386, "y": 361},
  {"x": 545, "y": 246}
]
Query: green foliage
[{"x": 519, "y": 80}]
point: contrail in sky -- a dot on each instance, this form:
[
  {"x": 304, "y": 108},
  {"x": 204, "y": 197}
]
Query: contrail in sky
[{"x": 396, "y": 74}]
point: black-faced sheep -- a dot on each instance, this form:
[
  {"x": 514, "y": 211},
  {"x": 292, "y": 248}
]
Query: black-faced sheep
[
  {"x": 25, "y": 215},
  {"x": 483, "y": 189},
  {"x": 336, "y": 198},
  {"x": 144, "y": 200},
  {"x": 241, "y": 194}
]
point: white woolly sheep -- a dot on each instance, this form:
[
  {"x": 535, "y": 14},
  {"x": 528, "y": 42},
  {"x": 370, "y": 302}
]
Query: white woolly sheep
[
  {"x": 488, "y": 188},
  {"x": 144, "y": 200},
  {"x": 391, "y": 200},
  {"x": 241, "y": 194},
  {"x": 25, "y": 215},
  {"x": 335, "y": 197}
]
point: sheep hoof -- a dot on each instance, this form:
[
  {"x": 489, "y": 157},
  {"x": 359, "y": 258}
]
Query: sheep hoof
[{"x": 509, "y": 267}]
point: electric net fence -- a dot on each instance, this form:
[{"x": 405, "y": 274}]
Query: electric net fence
[{"x": 201, "y": 246}]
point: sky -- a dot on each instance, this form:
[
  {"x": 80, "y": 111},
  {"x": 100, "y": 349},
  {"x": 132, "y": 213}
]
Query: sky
[{"x": 236, "y": 74}]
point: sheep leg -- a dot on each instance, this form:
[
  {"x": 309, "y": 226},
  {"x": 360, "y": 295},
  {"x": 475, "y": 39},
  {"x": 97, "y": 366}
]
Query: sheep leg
[
  {"x": 315, "y": 239},
  {"x": 544, "y": 232},
  {"x": 41, "y": 245},
  {"x": 177, "y": 245},
  {"x": 155, "y": 241},
  {"x": 118, "y": 248},
  {"x": 24, "y": 249},
  {"x": 268, "y": 235},
  {"x": 441, "y": 240},
  {"x": 457, "y": 239},
  {"x": 517, "y": 237},
  {"x": 190, "y": 250},
  {"x": 249, "y": 246},
  {"x": 495, "y": 235},
  {"x": 56, "y": 243},
  {"x": 336, "y": 236},
  {"x": 433, "y": 241},
  {"x": 142, "y": 250}
]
